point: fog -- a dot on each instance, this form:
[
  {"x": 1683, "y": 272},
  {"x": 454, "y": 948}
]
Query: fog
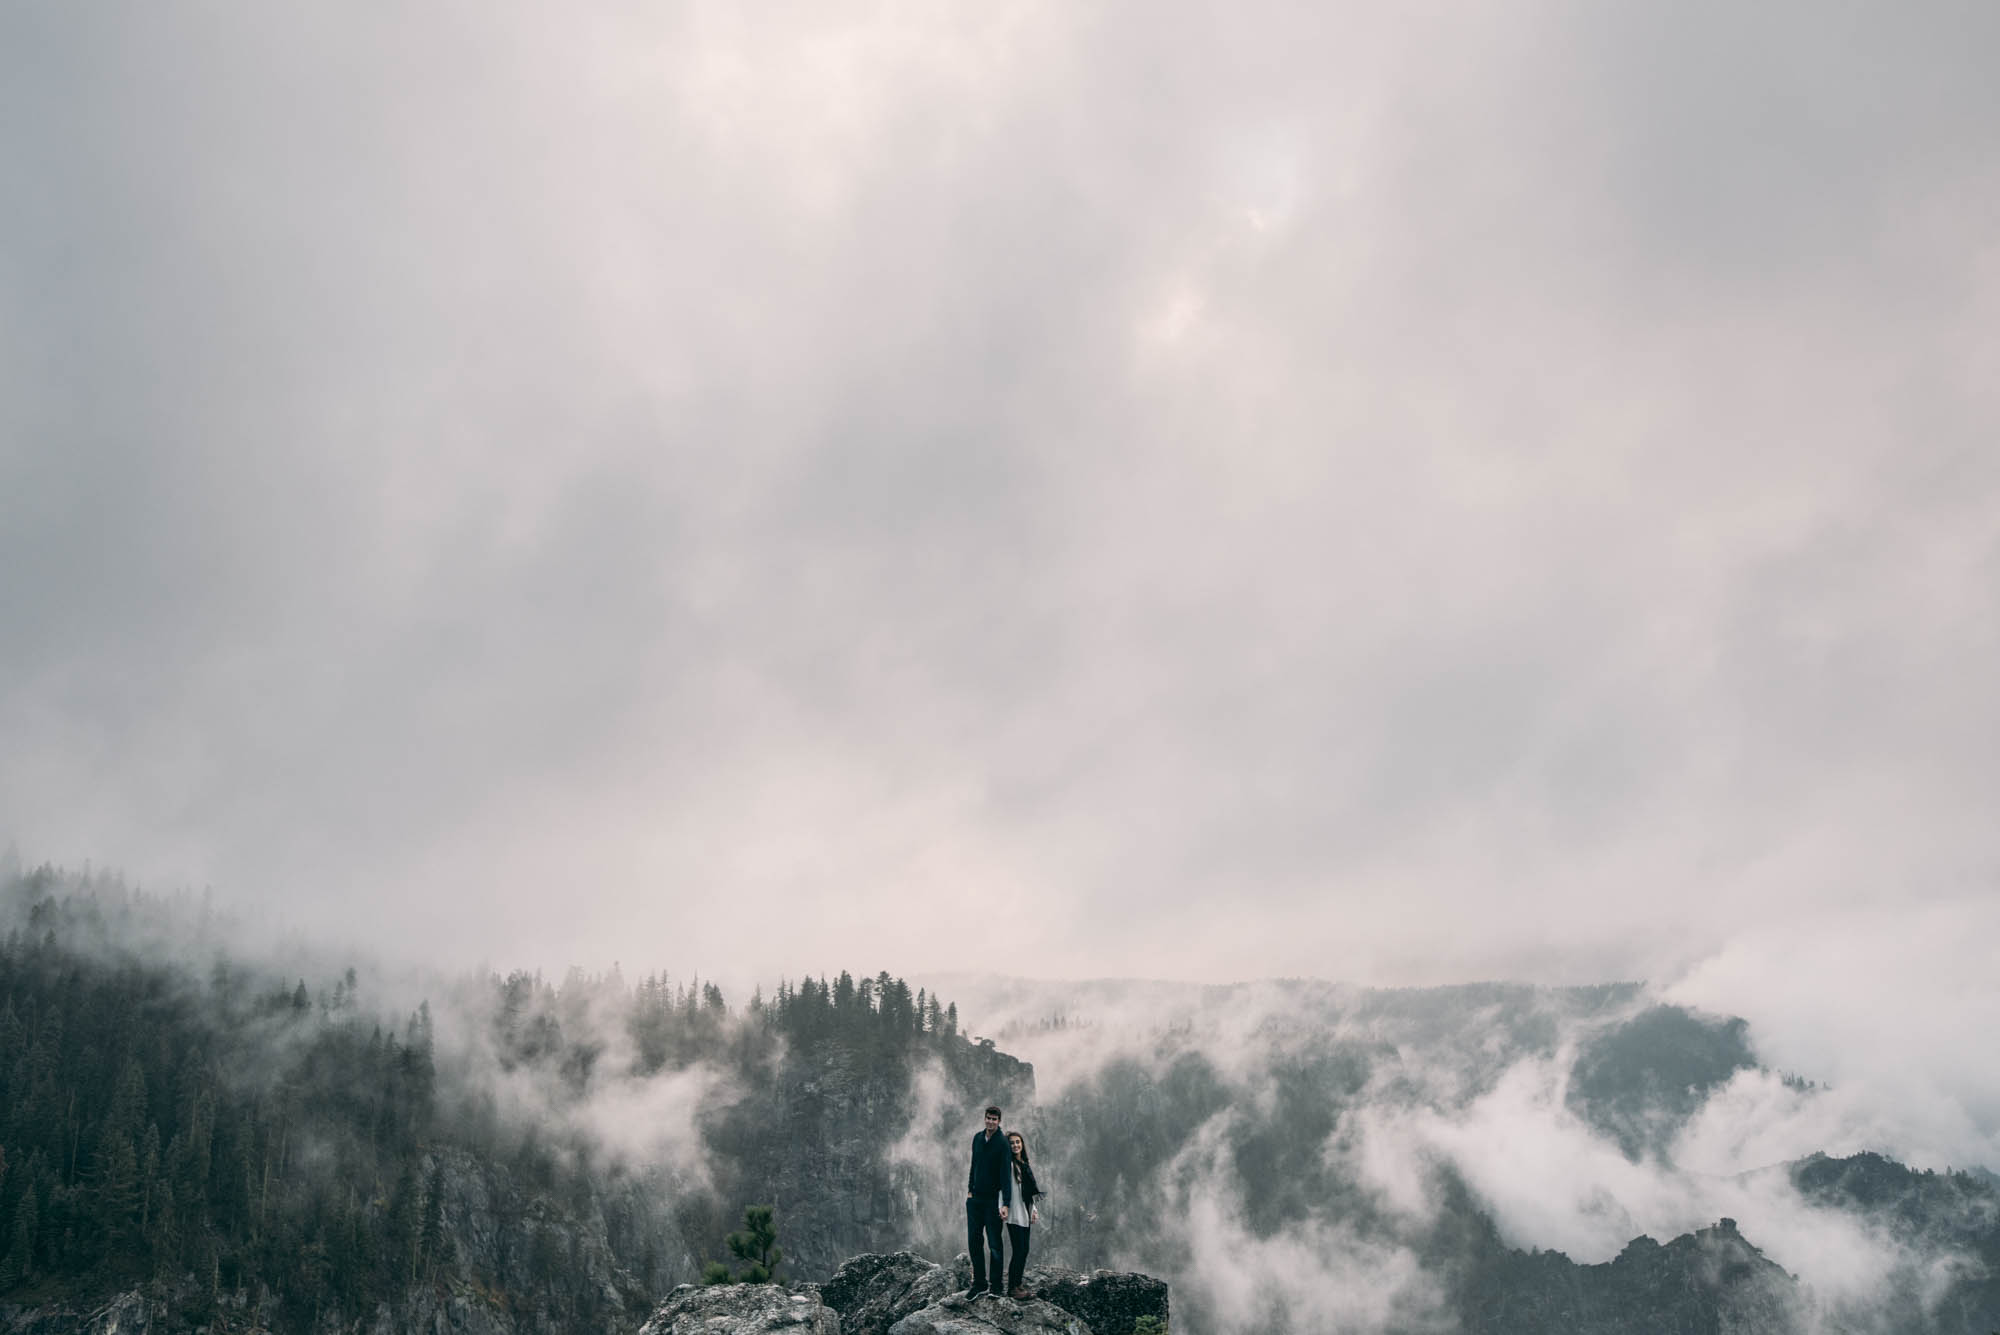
[
  {"x": 1881, "y": 1003},
  {"x": 1432, "y": 1103},
  {"x": 1476, "y": 1085},
  {"x": 1121, "y": 492},
  {"x": 1395, "y": 497}
]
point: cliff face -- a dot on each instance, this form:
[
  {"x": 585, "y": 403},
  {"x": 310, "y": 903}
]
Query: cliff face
[{"x": 860, "y": 1155}]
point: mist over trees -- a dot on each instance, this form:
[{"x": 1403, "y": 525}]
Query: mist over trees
[
  {"x": 193, "y": 1120},
  {"x": 148, "y": 1132},
  {"x": 257, "y": 1139}
]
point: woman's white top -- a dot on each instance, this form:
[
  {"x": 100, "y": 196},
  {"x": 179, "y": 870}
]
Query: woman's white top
[{"x": 1022, "y": 1213}]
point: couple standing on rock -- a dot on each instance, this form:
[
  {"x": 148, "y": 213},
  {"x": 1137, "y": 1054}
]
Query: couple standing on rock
[{"x": 1000, "y": 1190}]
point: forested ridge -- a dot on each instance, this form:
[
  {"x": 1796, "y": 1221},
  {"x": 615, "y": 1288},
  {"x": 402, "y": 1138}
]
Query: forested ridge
[
  {"x": 134, "y": 1147},
  {"x": 233, "y": 1136},
  {"x": 248, "y": 1139}
]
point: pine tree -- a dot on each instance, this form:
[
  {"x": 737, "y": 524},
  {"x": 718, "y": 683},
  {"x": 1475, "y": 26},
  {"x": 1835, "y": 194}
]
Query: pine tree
[
  {"x": 151, "y": 1186},
  {"x": 403, "y": 1227},
  {"x": 432, "y": 1240},
  {"x": 19, "y": 1263},
  {"x": 114, "y": 1188},
  {"x": 757, "y": 1246},
  {"x": 163, "y": 1235}
]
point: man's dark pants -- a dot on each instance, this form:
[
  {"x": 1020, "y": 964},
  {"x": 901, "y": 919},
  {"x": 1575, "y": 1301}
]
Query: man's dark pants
[{"x": 982, "y": 1215}]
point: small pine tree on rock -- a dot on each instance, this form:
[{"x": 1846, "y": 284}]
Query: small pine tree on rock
[{"x": 756, "y": 1245}]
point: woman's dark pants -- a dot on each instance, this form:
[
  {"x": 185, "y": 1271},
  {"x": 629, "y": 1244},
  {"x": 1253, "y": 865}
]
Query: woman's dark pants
[
  {"x": 1017, "y": 1261},
  {"x": 982, "y": 1215}
]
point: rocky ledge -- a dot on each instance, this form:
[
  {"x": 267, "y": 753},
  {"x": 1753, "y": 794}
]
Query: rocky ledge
[
  {"x": 904, "y": 1294},
  {"x": 742, "y": 1309}
]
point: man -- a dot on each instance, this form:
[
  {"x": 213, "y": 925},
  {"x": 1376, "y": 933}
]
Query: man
[{"x": 989, "y": 1190}]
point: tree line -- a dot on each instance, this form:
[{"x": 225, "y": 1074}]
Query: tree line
[{"x": 219, "y": 1129}]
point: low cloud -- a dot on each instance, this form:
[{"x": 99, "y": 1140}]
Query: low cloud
[
  {"x": 1882, "y": 1005},
  {"x": 930, "y": 1161},
  {"x": 1477, "y": 1088},
  {"x": 1320, "y": 1273}
]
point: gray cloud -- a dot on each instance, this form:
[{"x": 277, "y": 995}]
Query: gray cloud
[{"x": 1387, "y": 496}]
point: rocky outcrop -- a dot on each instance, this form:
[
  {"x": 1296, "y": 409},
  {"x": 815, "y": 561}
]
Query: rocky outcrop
[
  {"x": 742, "y": 1309},
  {"x": 990, "y": 1315},
  {"x": 1111, "y": 1301},
  {"x": 904, "y": 1294},
  {"x": 873, "y": 1293}
]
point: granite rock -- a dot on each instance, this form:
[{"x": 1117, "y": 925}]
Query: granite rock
[
  {"x": 987, "y": 1314},
  {"x": 742, "y": 1309},
  {"x": 1111, "y": 1301},
  {"x": 877, "y": 1295},
  {"x": 872, "y": 1293}
]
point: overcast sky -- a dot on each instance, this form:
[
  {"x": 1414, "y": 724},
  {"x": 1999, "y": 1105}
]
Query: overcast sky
[{"x": 1395, "y": 493}]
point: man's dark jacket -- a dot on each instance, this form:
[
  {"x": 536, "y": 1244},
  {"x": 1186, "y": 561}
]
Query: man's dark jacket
[{"x": 992, "y": 1167}]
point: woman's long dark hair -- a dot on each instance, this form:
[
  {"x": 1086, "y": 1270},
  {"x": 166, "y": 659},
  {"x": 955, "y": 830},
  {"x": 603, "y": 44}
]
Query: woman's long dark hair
[{"x": 1024, "y": 1171}]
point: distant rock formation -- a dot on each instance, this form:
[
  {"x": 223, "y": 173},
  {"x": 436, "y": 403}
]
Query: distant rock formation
[{"x": 1711, "y": 1280}]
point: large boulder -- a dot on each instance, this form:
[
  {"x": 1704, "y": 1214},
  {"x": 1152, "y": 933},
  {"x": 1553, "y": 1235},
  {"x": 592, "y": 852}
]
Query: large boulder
[
  {"x": 880, "y": 1295},
  {"x": 873, "y": 1293},
  {"x": 742, "y": 1309},
  {"x": 990, "y": 1315},
  {"x": 1112, "y": 1301}
]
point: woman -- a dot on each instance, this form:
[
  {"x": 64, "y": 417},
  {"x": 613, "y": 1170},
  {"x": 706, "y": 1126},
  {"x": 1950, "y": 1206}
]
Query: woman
[{"x": 1021, "y": 1217}]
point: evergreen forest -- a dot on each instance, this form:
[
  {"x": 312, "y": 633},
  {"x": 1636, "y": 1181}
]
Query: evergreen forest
[{"x": 233, "y": 1136}]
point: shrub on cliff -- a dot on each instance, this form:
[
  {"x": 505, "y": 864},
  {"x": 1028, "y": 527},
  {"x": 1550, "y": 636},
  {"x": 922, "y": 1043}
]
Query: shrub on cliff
[{"x": 756, "y": 1245}]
